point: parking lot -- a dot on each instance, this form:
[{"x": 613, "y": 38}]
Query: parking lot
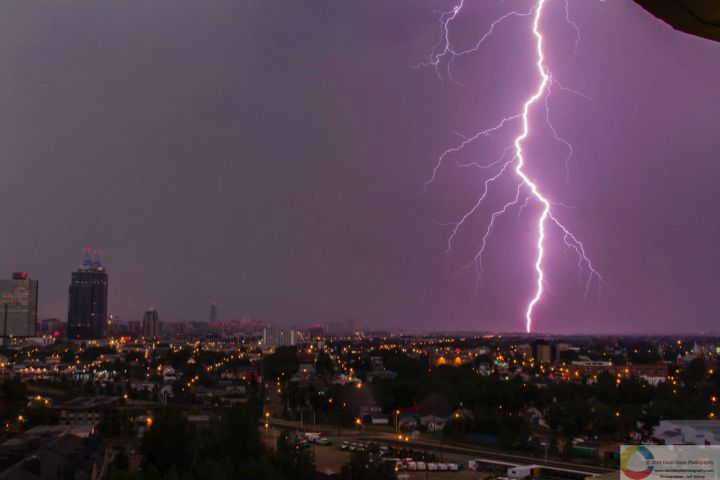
[{"x": 330, "y": 459}]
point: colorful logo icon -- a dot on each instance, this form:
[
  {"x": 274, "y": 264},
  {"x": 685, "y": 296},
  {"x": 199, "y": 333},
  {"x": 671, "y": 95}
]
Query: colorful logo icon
[{"x": 625, "y": 462}]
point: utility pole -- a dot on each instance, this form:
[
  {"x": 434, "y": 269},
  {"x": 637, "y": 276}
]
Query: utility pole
[{"x": 5, "y": 316}]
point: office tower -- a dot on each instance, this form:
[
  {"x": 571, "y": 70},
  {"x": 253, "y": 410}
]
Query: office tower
[
  {"x": 338, "y": 328},
  {"x": 151, "y": 324},
  {"x": 335, "y": 329},
  {"x": 87, "y": 301},
  {"x": 213, "y": 313},
  {"x": 18, "y": 306},
  {"x": 544, "y": 352}
]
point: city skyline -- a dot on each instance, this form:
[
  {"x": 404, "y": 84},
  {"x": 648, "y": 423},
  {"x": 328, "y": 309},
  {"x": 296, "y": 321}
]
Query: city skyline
[{"x": 205, "y": 175}]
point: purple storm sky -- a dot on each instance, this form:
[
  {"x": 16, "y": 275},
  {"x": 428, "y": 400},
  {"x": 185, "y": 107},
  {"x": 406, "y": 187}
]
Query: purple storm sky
[{"x": 269, "y": 155}]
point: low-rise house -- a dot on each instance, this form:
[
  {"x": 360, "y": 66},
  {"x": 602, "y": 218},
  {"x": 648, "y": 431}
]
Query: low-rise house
[
  {"x": 369, "y": 408},
  {"x": 169, "y": 375},
  {"x": 144, "y": 386},
  {"x": 52, "y": 451},
  {"x": 432, "y": 423},
  {"x": 408, "y": 420},
  {"x": 87, "y": 410},
  {"x": 386, "y": 374},
  {"x": 688, "y": 432},
  {"x": 379, "y": 419}
]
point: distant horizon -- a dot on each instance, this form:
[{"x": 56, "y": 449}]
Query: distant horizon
[{"x": 431, "y": 332}]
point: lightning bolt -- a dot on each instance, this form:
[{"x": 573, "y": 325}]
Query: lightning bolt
[{"x": 527, "y": 189}]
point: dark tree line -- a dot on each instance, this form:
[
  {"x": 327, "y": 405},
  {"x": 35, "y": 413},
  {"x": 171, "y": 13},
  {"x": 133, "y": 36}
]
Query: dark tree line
[{"x": 229, "y": 449}]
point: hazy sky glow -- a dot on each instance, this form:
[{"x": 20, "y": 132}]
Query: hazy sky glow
[{"x": 269, "y": 156}]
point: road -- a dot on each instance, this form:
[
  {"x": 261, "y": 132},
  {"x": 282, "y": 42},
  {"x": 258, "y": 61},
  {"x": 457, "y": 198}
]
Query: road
[
  {"x": 490, "y": 454},
  {"x": 465, "y": 452}
]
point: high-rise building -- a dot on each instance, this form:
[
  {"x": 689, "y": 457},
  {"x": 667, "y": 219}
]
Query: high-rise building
[
  {"x": 18, "y": 306},
  {"x": 544, "y": 352},
  {"x": 151, "y": 324},
  {"x": 134, "y": 328},
  {"x": 274, "y": 337},
  {"x": 87, "y": 301},
  {"x": 179, "y": 329},
  {"x": 213, "y": 313},
  {"x": 338, "y": 328}
]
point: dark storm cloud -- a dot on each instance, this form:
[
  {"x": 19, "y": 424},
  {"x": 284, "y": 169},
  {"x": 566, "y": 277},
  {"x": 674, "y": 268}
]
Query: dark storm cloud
[{"x": 268, "y": 156}]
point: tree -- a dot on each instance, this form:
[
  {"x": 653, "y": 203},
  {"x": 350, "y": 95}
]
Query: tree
[
  {"x": 294, "y": 460},
  {"x": 324, "y": 364},
  {"x": 554, "y": 448},
  {"x": 283, "y": 362},
  {"x": 238, "y": 438},
  {"x": 170, "y": 441},
  {"x": 458, "y": 428},
  {"x": 514, "y": 431},
  {"x": 435, "y": 404},
  {"x": 14, "y": 394},
  {"x": 604, "y": 420},
  {"x": 568, "y": 450},
  {"x": 38, "y": 414},
  {"x": 694, "y": 373},
  {"x": 121, "y": 460}
]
